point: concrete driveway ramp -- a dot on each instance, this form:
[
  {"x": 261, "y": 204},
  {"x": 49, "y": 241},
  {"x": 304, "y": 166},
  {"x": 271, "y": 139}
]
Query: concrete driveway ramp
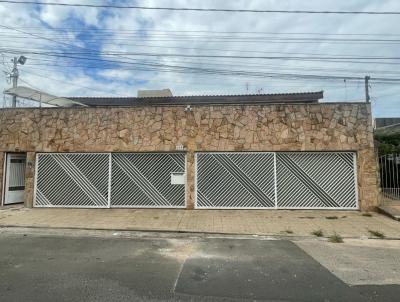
[{"x": 250, "y": 270}]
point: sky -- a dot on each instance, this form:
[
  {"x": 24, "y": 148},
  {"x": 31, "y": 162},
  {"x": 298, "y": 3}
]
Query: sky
[{"x": 77, "y": 51}]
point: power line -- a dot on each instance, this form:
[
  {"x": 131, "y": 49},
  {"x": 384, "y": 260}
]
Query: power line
[
  {"x": 225, "y": 10},
  {"x": 157, "y": 67},
  {"x": 188, "y": 69},
  {"x": 43, "y": 61},
  {"x": 229, "y": 39},
  {"x": 84, "y": 56},
  {"x": 245, "y": 37},
  {"x": 151, "y": 54},
  {"x": 344, "y": 56},
  {"x": 150, "y": 66},
  {"x": 130, "y": 31}
]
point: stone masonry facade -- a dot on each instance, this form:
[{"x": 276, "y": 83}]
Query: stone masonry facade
[{"x": 272, "y": 127}]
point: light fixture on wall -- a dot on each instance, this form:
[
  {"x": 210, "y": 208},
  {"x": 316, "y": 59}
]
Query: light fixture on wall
[
  {"x": 22, "y": 60},
  {"x": 31, "y": 164}
]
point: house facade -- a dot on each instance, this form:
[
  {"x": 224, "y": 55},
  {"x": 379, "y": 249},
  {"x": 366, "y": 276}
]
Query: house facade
[{"x": 280, "y": 151}]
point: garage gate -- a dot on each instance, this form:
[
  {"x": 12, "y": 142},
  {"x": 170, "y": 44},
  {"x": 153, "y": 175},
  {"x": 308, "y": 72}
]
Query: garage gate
[
  {"x": 235, "y": 180},
  {"x": 103, "y": 180},
  {"x": 292, "y": 180}
]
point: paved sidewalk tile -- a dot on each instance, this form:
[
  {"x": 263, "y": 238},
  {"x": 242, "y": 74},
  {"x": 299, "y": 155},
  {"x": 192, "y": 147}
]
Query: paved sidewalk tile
[{"x": 257, "y": 222}]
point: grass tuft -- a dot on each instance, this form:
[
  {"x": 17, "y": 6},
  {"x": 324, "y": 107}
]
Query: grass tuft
[
  {"x": 331, "y": 217},
  {"x": 335, "y": 238},
  {"x": 289, "y": 231},
  {"x": 318, "y": 233},
  {"x": 366, "y": 214},
  {"x": 376, "y": 234}
]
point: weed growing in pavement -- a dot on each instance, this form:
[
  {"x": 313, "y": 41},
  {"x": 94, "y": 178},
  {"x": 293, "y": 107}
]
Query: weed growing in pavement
[
  {"x": 366, "y": 214},
  {"x": 289, "y": 231},
  {"x": 331, "y": 217},
  {"x": 335, "y": 238},
  {"x": 376, "y": 233},
  {"x": 318, "y": 233}
]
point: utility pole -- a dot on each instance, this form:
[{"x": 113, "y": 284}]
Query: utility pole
[
  {"x": 14, "y": 77},
  {"x": 15, "y": 74},
  {"x": 367, "y": 97}
]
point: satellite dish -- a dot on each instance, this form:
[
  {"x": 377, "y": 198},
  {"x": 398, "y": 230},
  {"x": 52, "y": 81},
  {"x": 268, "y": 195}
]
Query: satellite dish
[{"x": 42, "y": 97}]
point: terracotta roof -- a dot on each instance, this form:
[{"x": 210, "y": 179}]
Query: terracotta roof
[{"x": 245, "y": 99}]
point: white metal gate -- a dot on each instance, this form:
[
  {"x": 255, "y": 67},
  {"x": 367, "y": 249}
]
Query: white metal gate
[
  {"x": 284, "y": 180},
  {"x": 389, "y": 171},
  {"x": 102, "y": 180},
  {"x": 14, "y": 188},
  {"x": 235, "y": 180},
  {"x": 72, "y": 180},
  {"x": 316, "y": 180},
  {"x": 147, "y": 180}
]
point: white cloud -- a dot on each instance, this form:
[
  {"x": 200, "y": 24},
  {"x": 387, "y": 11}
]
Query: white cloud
[
  {"x": 56, "y": 16},
  {"x": 160, "y": 24}
]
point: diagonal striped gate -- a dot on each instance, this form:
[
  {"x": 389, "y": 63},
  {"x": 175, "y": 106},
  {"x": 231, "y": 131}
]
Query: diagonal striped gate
[
  {"x": 235, "y": 180},
  {"x": 72, "y": 180},
  {"x": 316, "y": 180},
  {"x": 298, "y": 180},
  {"x": 295, "y": 180},
  {"x": 102, "y": 180},
  {"x": 144, "y": 180}
]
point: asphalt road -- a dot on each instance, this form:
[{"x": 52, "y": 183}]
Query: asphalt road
[{"x": 52, "y": 268}]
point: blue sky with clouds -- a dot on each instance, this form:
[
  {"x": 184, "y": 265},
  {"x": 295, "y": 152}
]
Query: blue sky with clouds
[{"x": 94, "y": 51}]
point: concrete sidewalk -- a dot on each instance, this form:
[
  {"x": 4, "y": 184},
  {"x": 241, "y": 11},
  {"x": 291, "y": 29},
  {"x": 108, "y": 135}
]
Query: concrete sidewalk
[
  {"x": 255, "y": 222},
  {"x": 391, "y": 209}
]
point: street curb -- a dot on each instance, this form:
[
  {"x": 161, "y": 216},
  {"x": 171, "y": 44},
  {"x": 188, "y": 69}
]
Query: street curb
[{"x": 272, "y": 236}]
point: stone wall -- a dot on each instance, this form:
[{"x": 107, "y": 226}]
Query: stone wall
[{"x": 275, "y": 127}]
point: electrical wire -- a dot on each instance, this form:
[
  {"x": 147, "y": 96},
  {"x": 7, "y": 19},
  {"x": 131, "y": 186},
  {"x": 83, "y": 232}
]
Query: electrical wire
[{"x": 225, "y": 10}]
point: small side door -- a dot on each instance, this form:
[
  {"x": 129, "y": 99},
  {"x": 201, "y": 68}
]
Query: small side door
[{"x": 14, "y": 189}]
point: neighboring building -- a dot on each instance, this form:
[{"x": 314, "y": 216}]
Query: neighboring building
[
  {"x": 154, "y": 93},
  {"x": 271, "y": 151},
  {"x": 382, "y": 122}
]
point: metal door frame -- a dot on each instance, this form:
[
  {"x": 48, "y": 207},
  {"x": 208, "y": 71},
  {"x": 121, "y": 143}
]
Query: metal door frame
[
  {"x": 355, "y": 170},
  {"x": 3, "y": 180},
  {"x": 109, "y": 182}
]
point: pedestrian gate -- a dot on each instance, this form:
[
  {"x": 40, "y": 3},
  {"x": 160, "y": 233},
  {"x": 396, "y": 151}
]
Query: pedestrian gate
[
  {"x": 295, "y": 180},
  {"x": 14, "y": 188},
  {"x": 389, "y": 168},
  {"x": 102, "y": 180}
]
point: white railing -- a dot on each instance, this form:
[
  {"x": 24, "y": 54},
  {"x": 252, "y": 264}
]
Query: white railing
[{"x": 389, "y": 170}]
